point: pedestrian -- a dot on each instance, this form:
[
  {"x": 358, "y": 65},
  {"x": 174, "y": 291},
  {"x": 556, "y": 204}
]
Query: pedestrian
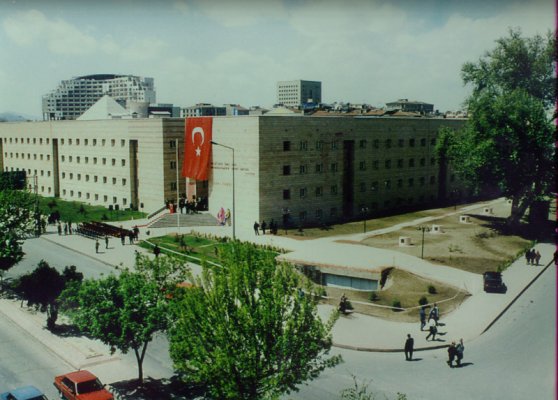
[
  {"x": 452, "y": 352},
  {"x": 264, "y": 226},
  {"x": 409, "y": 343},
  {"x": 136, "y": 232},
  {"x": 65, "y": 228},
  {"x": 156, "y": 251},
  {"x": 122, "y": 238},
  {"x": 537, "y": 257},
  {"x": 555, "y": 257},
  {"x": 106, "y": 241},
  {"x": 69, "y": 227},
  {"x": 97, "y": 245},
  {"x": 59, "y": 227},
  {"x": 343, "y": 304},
  {"x": 422, "y": 314},
  {"x": 256, "y": 228},
  {"x": 434, "y": 314},
  {"x": 432, "y": 330},
  {"x": 528, "y": 257},
  {"x": 460, "y": 348},
  {"x": 273, "y": 227},
  {"x": 228, "y": 217},
  {"x": 131, "y": 237}
]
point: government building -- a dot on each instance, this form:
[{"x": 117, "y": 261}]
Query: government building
[{"x": 306, "y": 170}]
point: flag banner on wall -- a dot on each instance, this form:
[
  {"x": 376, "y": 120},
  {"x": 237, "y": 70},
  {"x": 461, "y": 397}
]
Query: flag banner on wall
[{"x": 197, "y": 147}]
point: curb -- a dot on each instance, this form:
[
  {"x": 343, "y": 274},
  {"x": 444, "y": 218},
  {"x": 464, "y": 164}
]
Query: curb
[{"x": 400, "y": 350}]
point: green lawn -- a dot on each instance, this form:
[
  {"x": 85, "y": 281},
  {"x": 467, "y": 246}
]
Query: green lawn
[{"x": 75, "y": 211}]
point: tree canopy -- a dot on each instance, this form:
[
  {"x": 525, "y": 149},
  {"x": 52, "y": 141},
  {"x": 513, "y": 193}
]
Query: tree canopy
[
  {"x": 16, "y": 222},
  {"x": 508, "y": 142},
  {"x": 247, "y": 330}
]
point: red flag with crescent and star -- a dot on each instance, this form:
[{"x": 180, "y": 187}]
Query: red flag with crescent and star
[{"x": 197, "y": 147}]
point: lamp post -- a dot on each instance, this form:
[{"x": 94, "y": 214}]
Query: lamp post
[
  {"x": 364, "y": 211},
  {"x": 177, "y": 186},
  {"x": 423, "y": 229},
  {"x": 232, "y": 168}
]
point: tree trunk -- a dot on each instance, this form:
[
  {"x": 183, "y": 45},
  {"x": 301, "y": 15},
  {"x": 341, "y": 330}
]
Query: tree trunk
[
  {"x": 139, "y": 359},
  {"x": 519, "y": 207}
]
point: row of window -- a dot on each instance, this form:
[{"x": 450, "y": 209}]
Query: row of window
[
  {"x": 94, "y": 160},
  {"x": 95, "y": 178},
  {"x": 23, "y": 140},
  {"x": 77, "y": 141},
  {"x": 303, "y": 145},
  {"x": 42, "y": 172},
  {"x": 96, "y": 196},
  {"x": 16, "y": 155},
  {"x": 362, "y": 166},
  {"x": 400, "y": 143}
]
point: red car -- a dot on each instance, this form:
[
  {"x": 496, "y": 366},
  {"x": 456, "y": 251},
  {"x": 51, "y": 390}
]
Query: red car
[{"x": 81, "y": 385}]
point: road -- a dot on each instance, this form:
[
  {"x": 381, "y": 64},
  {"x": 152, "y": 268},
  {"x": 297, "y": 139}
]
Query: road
[{"x": 515, "y": 359}]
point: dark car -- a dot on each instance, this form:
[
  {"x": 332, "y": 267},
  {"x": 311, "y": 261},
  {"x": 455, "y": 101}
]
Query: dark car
[
  {"x": 24, "y": 393},
  {"x": 81, "y": 385},
  {"x": 493, "y": 282}
]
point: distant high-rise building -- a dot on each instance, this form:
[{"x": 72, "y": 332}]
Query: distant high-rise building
[
  {"x": 74, "y": 96},
  {"x": 296, "y": 93}
]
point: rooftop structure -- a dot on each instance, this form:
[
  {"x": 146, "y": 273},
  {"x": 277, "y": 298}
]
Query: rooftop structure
[{"x": 298, "y": 92}]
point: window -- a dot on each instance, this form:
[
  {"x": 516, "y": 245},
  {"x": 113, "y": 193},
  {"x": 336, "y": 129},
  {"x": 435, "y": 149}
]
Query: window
[
  {"x": 122, "y": 142},
  {"x": 172, "y": 144},
  {"x": 422, "y": 162},
  {"x": 69, "y": 142},
  {"x": 412, "y": 142},
  {"x": 103, "y": 141},
  {"x": 71, "y": 175},
  {"x": 362, "y": 187},
  {"x": 286, "y": 194},
  {"x": 114, "y": 200},
  {"x": 78, "y": 159},
  {"x": 421, "y": 181},
  {"x": 333, "y": 189},
  {"x": 319, "y": 144},
  {"x": 286, "y": 145},
  {"x": 387, "y": 184},
  {"x": 411, "y": 162},
  {"x": 362, "y": 144},
  {"x": 400, "y": 163},
  {"x": 303, "y": 145},
  {"x": 77, "y": 142},
  {"x": 432, "y": 141},
  {"x": 423, "y": 142},
  {"x": 79, "y": 195},
  {"x": 374, "y": 186},
  {"x": 63, "y": 158},
  {"x": 319, "y": 191},
  {"x": 114, "y": 181},
  {"x": 85, "y": 142},
  {"x": 63, "y": 175},
  {"x": 319, "y": 168},
  {"x": 123, "y": 162},
  {"x": 113, "y": 162},
  {"x": 334, "y": 167},
  {"x": 400, "y": 183},
  {"x": 319, "y": 213},
  {"x": 387, "y": 164},
  {"x": 376, "y": 164},
  {"x": 124, "y": 201},
  {"x": 401, "y": 142},
  {"x": 41, "y": 156},
  {"x": 303, "y": 169},
  {"x": 286, "y": 169},
  {"x": 112, "y": 143},
  {"x": 333, "y": 211},
  {"x": 79, "y": 177},
  {"x": 334, "y": 145},
  {"x": 95, "y": 178},
  {"x": 173, "y": 186},
  {"x": 87, "y": 160},
  {"x": 95, "y": 144},
  {"x": 104, "y": 161},
  {"x": 104, "y": 179},
  {"x": 63, "y": 192},
  {"x": 86, "y": 178},
  {"x": 376, "y": 143},
  {"x": 96, "y": 196},
  {"x": 172, "y": 164},
  {"x": 432, "y": 161},
  {"x": 302, "y": 215},
  {"x": 388, "y": 143},
  {"x": 123, "y": 181},
  {"x": 411, "y": 182},
  {"x": 87, "y": 196},
  {"x": 302, "y": 193},
  {"x": 432, "y": 180},
  {"x": 362, "y": 166},
  {"x": 71, "y": 193}
]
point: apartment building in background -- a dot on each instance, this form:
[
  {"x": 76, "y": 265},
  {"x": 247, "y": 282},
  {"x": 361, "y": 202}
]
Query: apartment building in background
[
  {"x": 75, "y": 96},
  {"x": 298, "y": 92}
]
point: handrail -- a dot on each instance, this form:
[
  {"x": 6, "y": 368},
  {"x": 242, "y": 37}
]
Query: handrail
[{"x": 156, "y": 212}]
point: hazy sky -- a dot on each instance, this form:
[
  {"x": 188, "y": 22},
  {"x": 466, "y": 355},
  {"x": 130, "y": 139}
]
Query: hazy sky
[{"x": 371, "y": 51}]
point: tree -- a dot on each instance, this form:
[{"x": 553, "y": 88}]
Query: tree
[
  {"x": 124, "y": 312},
  {"x": 246, "y": 330},
  {"x": 508, "y": 142},
  {"x": 43, "y": 286},
  {"x": 16, "y": 222}
]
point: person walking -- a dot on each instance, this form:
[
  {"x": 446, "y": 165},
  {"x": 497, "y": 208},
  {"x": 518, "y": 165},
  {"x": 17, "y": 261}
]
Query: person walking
[
  {"x": 97, "y": 245},
  {"x": 432, "y": 330},
  {"x": 452, "y": 352},
  {"x": 256, "y": 228},
  {"x": 59, "y": 227},
  {"x": 122, "y": 238},
  {"x": 156, "y": 251},
  {"x": 459, "y": 349},
  {"x": 228, "y": 217},
  {"x": 106, "y": 241},
  {"x": 528, "y": 257},
  {"x": 435, "y": 314},
  {"x": 409, "y": 344},
  {"x": 264, "y": 227},
  {"x": 422, "y": 314},
  {"x": 537, "y": 257}
]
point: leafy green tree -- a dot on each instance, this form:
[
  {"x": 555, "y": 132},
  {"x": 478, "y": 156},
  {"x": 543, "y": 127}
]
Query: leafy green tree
[
  {"x": 124, "y": 312},
  {"x": 42, "y": 287},
  {"x": 247, "y": 330},
  {"x": 16, "y": 222},
  {"x": 508, "y": 143}
]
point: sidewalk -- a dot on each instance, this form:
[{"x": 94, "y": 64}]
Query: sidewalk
[{"x": 355, "y": 331}]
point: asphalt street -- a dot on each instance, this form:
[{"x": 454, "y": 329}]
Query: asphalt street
[{"x": 515, "y": 359}]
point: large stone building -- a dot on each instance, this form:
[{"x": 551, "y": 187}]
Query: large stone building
[
  {"x": 309, "y": 170},
  {"x": 75, "y": 96},
  {"x": 410, "y": 106},
  {"x": 297, "y": 93}
]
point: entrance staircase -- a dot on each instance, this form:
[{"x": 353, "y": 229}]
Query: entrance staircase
[{"x": 183, "y": 220}]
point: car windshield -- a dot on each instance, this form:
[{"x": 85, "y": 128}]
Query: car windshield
[{"x": 89, "y": 386}]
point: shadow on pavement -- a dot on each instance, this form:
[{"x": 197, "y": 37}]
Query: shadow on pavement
[{"x": 160, "y": 389}]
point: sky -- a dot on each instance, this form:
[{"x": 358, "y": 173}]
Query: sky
[{"x": 235, "y": 51}]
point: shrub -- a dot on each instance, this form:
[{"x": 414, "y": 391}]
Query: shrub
[
  {"x": 373, "y": 296},
  {"x": 104, "y": 217},
  {"x": 423, "y": 300},
  {"x": 396, "y": 304},
  {"x": 432, "y": 289},
  {"x": 51, "y": 204}
]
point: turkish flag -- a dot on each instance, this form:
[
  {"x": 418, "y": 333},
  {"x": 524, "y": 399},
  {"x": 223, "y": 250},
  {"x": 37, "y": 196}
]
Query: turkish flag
[{"x": 197, "y": 147}]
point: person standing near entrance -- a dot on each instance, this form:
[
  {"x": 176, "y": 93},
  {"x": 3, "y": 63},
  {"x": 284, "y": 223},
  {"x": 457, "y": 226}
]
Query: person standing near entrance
[
  {"x": 409, "y": 344},
  {"x": 97, "y": 245},
  {"x": 256, "y": 228}
]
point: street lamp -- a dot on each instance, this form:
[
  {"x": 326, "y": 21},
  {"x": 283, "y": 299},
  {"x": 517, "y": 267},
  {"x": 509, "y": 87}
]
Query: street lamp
[
  {"x": 423, "y": 229},
  {"x": 364, "y": 211},
  {"x": 232, "y": 167}
]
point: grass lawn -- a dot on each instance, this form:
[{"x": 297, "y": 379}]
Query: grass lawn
[
  {"x": 75, "y": 211},
  {"x": 191, "y": 245},
  {"x": 405, "y": 287}
]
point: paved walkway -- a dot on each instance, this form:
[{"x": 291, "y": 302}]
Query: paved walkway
[{"x": 355, "y": 331}]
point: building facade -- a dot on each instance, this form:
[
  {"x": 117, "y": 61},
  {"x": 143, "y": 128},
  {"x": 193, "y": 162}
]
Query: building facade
[
  {"x": 410, "y": 106},
  {"x": 75, "y": 96},
  {"x": 203, "y": 110},
  {"x": 297, "y": 93},
  {"x": 301, "y": 170}
]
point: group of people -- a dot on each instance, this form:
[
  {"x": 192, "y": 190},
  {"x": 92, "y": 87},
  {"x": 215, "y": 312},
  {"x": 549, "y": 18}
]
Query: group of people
[
  {"x": 67, "y": 228},
  {"x": 455, "y": 352},
  {"x": 433, "y": 318},
  {"x": 532, "y": 257},
  {"x": 273, "y": 227}
]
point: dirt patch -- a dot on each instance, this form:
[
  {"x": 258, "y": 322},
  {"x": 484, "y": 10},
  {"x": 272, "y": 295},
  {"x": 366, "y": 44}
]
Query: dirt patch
[
  {"x": 405, "y": 287},
  {"x": 480, "y": 245}
]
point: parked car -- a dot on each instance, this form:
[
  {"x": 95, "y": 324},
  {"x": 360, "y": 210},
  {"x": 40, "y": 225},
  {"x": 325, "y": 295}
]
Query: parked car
[
  {"x": 81, "y": 385},
  {"x": 493, "y": 282},
  {"x": 24, "y": 393}
]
